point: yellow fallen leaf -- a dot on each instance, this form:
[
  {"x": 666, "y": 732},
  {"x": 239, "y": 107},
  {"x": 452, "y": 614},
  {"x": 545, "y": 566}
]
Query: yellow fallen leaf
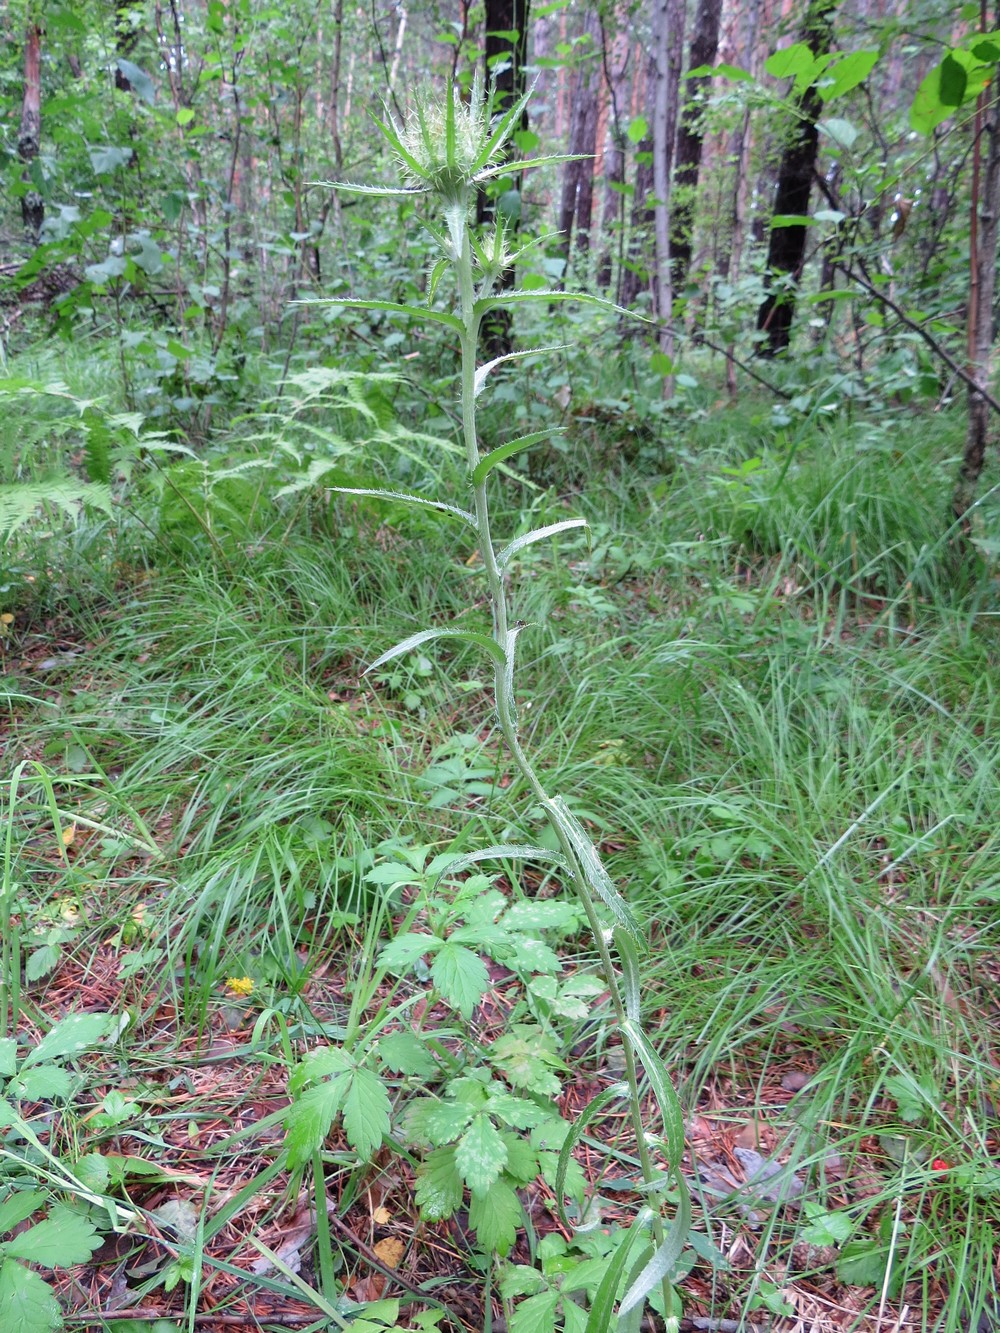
[
  {"x": 381, "y": 1216},
  {"x": 6, "y": 618},
  {"x": 68, "y": 834},
  {"x": 390, "y": 1251}
]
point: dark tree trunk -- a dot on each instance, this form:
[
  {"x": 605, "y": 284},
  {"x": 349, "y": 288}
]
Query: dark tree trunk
[
  {"x": 576, "y": 203},
  {"x": 787, "y": 246},
  {"x": 29, "y": 137},
  {"x": 127, "y": 34},
  {"x": 612, "y": 216},
  {"x": 506, "y": 53},
  {"x": 635, "y": 272},
  {"x": 982, "y": 290},
  {"x": 687, "y": 156}
]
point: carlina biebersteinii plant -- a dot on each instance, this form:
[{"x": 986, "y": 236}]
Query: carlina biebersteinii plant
[{"x": 447, "y": 149}]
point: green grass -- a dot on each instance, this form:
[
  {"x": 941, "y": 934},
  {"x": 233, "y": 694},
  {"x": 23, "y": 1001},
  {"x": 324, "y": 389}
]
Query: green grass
[{"x": 770, "y": 692}]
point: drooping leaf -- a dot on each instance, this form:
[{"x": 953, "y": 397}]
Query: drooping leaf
[
  {"x": 139, "y": 81},
  {"x": 481, "y": 1154},
  {"x": 483, "y": 371},
  {"x": 429, "y": 635},
  {"x": 366, "y": 1112},
  {"x": 577, "y": 1127},
  {"x": 461, "y": 977},
  {"x": 591, "y": 866},
  {"x": 8, "y": 1056},
  {"x": 27, "y": 1302},
  {"x": 495, "y": 1217},
  {"x": 793, "y": 62},
  {"x": 390, "y": 307},
  {"x": 954, "y": 81}
]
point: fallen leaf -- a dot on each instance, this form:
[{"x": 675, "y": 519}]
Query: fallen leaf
[
  {"x": 390, "y": 1251},
  {"x": 68, "y": 834},
  {"x": 381, "y": 1216}
]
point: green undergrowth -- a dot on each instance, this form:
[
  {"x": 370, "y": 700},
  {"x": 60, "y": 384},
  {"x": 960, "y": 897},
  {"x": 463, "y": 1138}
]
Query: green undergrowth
[{"x": 765, "y": 682}]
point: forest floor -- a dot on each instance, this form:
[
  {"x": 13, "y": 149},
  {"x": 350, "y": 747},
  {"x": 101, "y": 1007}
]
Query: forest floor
[{"x": 794, "y": 779}]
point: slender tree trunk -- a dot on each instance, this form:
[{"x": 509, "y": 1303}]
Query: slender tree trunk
[
  {"x": 787, "y": 247},
  {"x": 690, "y": 135},
  {"x": 635, "y": 275},
  {"x": 985, "y": 224},
  {"x": 29, "y": 137},
  {"x": 668, "y": 30},
  {"x": 505, "y": 58},
  {"x": 615, "y": 65}
]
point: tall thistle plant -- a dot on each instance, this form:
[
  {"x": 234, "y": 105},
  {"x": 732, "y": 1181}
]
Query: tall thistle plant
[{"x": 447, "y": 149}]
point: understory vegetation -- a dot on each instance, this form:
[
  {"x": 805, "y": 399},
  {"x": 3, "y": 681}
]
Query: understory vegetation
[{"x": 275, "y": 1052}]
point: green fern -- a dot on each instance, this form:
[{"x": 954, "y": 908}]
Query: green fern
[{"x": 21, "y": 504}]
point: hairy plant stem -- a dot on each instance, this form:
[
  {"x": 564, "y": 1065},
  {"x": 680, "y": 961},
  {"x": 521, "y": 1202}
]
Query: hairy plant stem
[{"x": 506, "y": 715}]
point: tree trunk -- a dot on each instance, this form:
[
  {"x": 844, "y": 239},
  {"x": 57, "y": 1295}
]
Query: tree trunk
[
  {"x": 612, "y": 215},
  {"x": 985, "y": 223},
  {"x": 29, "y": 137},
  {"x": 506, "y": 54},
  {"x": 635, "y": 276},
  {"x": 787, "y": 247},
  {"x": 576, "y": 202},
  {"x": 704, "y": 44},
  {"x": 668, "y": 36}
]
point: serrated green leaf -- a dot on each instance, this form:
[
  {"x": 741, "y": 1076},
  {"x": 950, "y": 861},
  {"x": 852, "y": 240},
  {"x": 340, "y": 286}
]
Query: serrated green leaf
[
  {"x": 309, "y": 1118},
  {"x": 19, "y": 1206},
  {"x": 41, "y": 961},
  {"x": 400, "y": 954},
  {"x": 375, "y": 493},
  {"x": 404, "y": 1053},
  {"x": 439, "y": 1188},
  {"x": 319, "y": 1063},
  {"x": 429, "y": 635},
  {"x": 542, "y": 914},
  {"x": 366, "y": 1112},
  {"x": 537, "y": 535},
  {"x": 8, "y": 1057},
  {"x": 461, "y": 977},
  {"x": 93, "y": 1171},
  {"x": 27, "y": 1303},
  {"x": 522, "y": 1160},
  {"x": 46, "y": 1083},
  {"x": 483, "y": 371},
  {"x": 71, "y": 1036},
  {"x": 481, "y": 1154},
  {"x": 495, "y": 1217},
  {"x": 536, "y": 1315},
  {"x": 504, "y": 451},
  {"x": 63, "y": 1239},
  {"x": 517, "y": 1112},
  {"x": 443, "y": 1122}
]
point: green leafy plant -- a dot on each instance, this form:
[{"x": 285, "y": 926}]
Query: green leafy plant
[{"x": 447, "y": 150}]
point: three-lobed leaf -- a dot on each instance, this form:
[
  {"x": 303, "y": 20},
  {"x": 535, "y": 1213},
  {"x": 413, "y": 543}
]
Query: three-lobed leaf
[{"x": 481, "y": 1154}]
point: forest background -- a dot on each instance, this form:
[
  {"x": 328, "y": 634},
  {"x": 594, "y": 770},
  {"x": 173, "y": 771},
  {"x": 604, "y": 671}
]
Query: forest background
[{"x": 304, "y": 1022}]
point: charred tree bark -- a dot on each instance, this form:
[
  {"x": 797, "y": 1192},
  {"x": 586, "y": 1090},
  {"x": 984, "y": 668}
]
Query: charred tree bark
[
  {"x": 704, "y": 44},
  {"x": 505, "y": 58},
  {"x": 985, "y": 225},
  {"x": 787, "y": 247},
  {"x": 29, "y": 137}
]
